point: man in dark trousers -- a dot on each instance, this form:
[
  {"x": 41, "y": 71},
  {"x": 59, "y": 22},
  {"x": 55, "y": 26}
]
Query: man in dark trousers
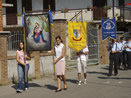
[
  {"x": 119, "y": 53},
  {"x": 113, "y": 58},
  {"x": 128, "y": 50},
  {"x": 124, "y": 54}
]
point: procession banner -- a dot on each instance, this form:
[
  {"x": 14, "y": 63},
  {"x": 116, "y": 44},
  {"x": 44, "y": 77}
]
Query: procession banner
[
  {"x": 38, "y": 36},
  {"x": 77, "y": 32},
  {"x": 108, "y": 28}
]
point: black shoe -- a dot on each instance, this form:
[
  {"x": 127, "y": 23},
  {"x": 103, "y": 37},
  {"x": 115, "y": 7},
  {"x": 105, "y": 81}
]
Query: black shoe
[
  {"x": 58, "y": 90},
  {"x": 109, "y": 74},
  {"x": 64, "y": 88}
]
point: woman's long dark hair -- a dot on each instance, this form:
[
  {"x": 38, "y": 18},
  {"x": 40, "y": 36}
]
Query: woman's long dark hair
[
  {"x": 19, "y": 45},
  {"x": 59, "y": 37}
]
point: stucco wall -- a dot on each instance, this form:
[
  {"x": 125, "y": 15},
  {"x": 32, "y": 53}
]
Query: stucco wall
[
  {"x": 46, "y": 65},
  {"x": 72, "y": 4},
  {"x": 19, "y": 6},
  {"x": 116, "y": 2},
  {"x": 37, "y": 4}
]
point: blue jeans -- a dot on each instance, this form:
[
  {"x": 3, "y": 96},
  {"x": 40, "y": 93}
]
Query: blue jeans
[{"x": 21, "y": 72}]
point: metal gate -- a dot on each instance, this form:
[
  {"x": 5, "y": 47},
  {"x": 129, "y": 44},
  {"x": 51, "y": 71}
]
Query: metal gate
[
  {"x": 92, "y": 42},
  {"x": 14, "y": 38}
]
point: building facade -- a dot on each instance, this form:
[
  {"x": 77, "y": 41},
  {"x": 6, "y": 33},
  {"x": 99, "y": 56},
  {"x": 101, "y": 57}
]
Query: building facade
[{"x": 97, "y": 7}]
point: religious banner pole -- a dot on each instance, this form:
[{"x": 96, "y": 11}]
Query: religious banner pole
[
  {"x": 51, "y": 24},
  {"x": 81, "y": 15},
  {"x": 24, "y": 45}
]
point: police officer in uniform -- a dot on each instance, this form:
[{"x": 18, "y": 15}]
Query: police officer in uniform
[
  {"x": 124, "y": 55},
  {"x": 113, "y": 58},
  {"x": 119, "y": 53},
  {"x": 128, "y": 50}
]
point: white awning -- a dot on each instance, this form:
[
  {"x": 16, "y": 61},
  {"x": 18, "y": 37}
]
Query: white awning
[{"x": 7, "y": 5}]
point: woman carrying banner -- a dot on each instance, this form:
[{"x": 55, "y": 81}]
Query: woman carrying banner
[
  {"x": 59, "y": 62},
  {"x": 21, "y": 67}
]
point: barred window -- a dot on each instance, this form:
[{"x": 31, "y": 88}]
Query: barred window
[
  {"x": 14, "y": 37},
  {"x": 13, "y": 40}
]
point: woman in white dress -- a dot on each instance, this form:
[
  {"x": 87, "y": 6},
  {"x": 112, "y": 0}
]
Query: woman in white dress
[{"x": 59, "y": 62}]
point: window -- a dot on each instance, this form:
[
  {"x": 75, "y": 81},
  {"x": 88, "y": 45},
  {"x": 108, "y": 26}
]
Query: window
[
  {"x": 27, "y": 4},
  {"x": 11, "y": 12},
  {"x": 121, "y": 2},
  {"x": 47, "y": 2},
  {"x": 99, "y": 3}
]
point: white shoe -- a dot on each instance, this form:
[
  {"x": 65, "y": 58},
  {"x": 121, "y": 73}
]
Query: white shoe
[
  {"x": 26, "y": 89},
  {"x": 19, "y": 91},
  {"x": 85, "y": 81},
  {"x": 79, "y": 83}
]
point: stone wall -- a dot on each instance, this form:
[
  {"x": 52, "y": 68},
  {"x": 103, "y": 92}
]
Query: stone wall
[
  {"x": 3, "y": 58},
  {"x": 103, "y": 52}
]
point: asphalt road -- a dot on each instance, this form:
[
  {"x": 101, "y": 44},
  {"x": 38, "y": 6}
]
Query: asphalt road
[{"x": 99, "y": 85}]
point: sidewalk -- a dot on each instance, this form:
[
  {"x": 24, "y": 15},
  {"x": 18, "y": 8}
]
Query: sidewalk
[{"x": 99, "y": 85}]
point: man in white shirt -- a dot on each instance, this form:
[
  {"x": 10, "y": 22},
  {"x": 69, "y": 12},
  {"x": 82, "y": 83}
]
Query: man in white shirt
[
  {"x": 113, "y": 58},
  {"x": 81, "y": 64},
  {"x": 124, "y": 54},
  {"x": 128, "y": 50},
  {"x": 120, "y": 56}
]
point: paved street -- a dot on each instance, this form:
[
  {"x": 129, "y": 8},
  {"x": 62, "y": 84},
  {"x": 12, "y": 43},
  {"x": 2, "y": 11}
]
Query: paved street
[{"x": 99, "y": 85}]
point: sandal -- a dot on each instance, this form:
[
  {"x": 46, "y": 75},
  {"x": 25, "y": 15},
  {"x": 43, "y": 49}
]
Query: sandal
[
  {"x": 64, "y": 88},
  {"x": 58, "y": 90}
]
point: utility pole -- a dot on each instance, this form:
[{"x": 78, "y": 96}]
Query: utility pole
[
  {"x": 123, "y": 10},
  {"x": 113, "y": 8}
]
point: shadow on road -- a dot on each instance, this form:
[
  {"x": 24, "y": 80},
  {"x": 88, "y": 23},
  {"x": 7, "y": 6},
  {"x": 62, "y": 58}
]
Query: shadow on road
[
  {"x": 105, "y": 68},
  {"x": 30, "y": 85},
  {"x": 111, "y": 84},
  {"x": 51, "y": 87},
  {"x": 95, "y": 72},
  {"x": 72, "y": 81},
  {"x": 125, "y": 78}
]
